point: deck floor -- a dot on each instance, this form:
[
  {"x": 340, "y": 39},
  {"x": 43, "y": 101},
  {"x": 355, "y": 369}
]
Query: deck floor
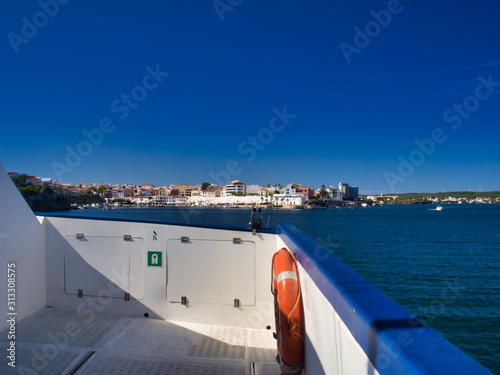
[{"x": 57, "y": 342}]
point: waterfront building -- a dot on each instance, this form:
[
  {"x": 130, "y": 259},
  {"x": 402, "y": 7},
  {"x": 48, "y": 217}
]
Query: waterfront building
[
  {"x": 290, "y": 189},
  {"x": 306, "y": 191},
  {"x": 165, "y": 190},
  {"x": 33, "y": 180},
  {"x": 140, "y": 200},
  {"x": 108, "y": 193},
  {"x": 122, "y": 194},
  {"x": 235, "y": 186},
  {"x": 210, "y": 193},
  {"x": 146, "y": 187},
  {"x": 196, "y": 193},
  {"x": 270, "y": 189},
  {"x": 231, "y": 200},
  {"x": 347, "y": 192},
  {"x": 332, "y": 192},
  {"x": 180, "y": 201},
  {"x": 163, "y": 199},
  {"x": 144, "y": 190},
  {"x": 256, "y": 189},
  {"x": 117, "y": 192},
  {"x": 168, "y": 200},
  {"x": 46, "y": 181},
  {"x": 289, "y": 197},
  {"x": 183, "y": 190}
]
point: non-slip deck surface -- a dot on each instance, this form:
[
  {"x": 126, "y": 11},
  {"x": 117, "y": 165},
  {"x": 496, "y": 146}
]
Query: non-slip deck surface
[{"x": 56, "y": 342}]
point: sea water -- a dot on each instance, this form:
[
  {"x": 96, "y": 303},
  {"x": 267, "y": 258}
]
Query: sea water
[{"x": 442, "y": 266}]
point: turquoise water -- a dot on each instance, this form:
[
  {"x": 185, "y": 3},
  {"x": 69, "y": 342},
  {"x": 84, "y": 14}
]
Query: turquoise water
[{"x": 443, "y": 266}]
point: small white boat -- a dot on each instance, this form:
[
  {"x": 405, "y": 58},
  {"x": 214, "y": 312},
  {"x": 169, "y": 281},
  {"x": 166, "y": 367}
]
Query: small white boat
[{"x": 439, "y": 208}]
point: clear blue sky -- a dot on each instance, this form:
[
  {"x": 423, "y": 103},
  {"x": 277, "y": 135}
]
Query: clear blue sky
[{"x": 365, "y": 79}]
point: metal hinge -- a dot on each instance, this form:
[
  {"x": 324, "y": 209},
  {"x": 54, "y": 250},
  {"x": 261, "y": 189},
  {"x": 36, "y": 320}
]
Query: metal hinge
[
  {"x": 79, "y": 236},
  {"x": 127, "y": 296},
  {"x": 184, "y": 239},
  {"x": 184, "y": 300},
  {"x": 80, "y": 293},
  {"x": 236, "y": 302},
  {"x": 127, "y": 237},
  {"x": 236, "y": 241}
]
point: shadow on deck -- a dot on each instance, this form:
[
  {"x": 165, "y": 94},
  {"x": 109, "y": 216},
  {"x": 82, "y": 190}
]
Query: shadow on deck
[{"x": 58, "y": 342}]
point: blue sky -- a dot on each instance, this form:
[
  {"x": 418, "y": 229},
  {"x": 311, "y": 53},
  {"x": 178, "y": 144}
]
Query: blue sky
[{"x": 179, "y": 87}]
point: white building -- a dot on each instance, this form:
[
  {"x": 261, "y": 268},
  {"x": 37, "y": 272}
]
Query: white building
[
  {"x": 271, "y": 189},
  {"x": 140, "y": 200},
  {"x": 164, "y": 200},
  {"x": 290, "y": 190},
  {"x": 255, "y": 189},
  {"x": 290, "y": 197},
  {"x": 143, "y": 193},
  {"x": 46, "y": 181},
  {"x": 235, "y": 187},
  {"x": 293, "y": 199},
  {"x": 227, "y": 200},
  {"x": 347, "y": 192},
  {"x": 333, "y": 192}
]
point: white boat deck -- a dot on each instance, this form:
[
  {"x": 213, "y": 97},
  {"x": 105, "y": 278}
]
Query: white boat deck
[{"x": 54, "y": 341}]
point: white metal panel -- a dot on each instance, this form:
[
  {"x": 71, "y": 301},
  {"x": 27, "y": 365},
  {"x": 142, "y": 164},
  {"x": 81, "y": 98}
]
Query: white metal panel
[
  {"x": 104, "y": 266},
  {"x": 22, "y": 243},
  {"x": 211, "y": 271}
]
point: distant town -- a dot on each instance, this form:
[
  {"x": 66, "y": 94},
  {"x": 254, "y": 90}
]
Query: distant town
[{"x": 233, "y": 194}]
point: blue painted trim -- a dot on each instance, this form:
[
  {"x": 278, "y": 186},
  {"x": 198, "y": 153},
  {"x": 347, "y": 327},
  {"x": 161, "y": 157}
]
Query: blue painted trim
[
  {"x": 146, "y": 221},
  {"x": 392, "y": 338}
]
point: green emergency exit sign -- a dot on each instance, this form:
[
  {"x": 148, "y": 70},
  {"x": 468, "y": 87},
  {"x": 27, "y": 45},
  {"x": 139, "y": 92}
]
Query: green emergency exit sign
[{"x": 155, "y": 258}]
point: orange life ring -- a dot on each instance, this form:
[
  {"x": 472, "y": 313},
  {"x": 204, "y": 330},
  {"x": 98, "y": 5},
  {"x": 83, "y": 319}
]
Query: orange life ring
[{"x": 285, "y": 286}]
